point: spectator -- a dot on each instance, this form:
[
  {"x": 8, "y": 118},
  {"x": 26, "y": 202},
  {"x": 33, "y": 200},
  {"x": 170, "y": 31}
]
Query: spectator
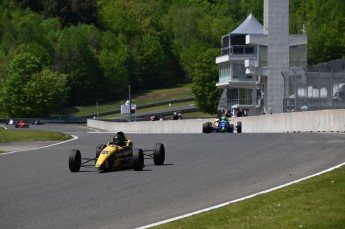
[
  {"x": 304, "y": 107},
  {"x": 219, "y": 114},
  {"x": 239, "y": 113},
  {"x": 179, "y": 116},
  {"x": 175, "y": 116},
  {"x": 228, "y": 114},
  {"x": 154, "y": 117}
]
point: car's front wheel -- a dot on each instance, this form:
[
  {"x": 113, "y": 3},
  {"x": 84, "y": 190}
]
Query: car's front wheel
[
  {"x": 138, "y": 159},
  {"x": 74, "y": 160},
  {"x": 207, "y": 127},
  {"x": 159, "y": 154},
  {"x": 239, "y": 127},
  {"x": 231, "y": 128}
]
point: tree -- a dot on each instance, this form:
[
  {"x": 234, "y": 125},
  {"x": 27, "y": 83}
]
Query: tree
[
  {"x": 46, "y": 93},
  {"x": 205, "y": 77},
  {"x": 70, "y": 12},
  {"x": 32, "y": 91},
  {"x": 14, "y": 99},
  {"x": 115, "y": 60},
  {"x": 76, "y": 58}
]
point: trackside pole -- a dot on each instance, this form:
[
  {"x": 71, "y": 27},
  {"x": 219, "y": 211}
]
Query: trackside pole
[{"x": 130, "y": 103}]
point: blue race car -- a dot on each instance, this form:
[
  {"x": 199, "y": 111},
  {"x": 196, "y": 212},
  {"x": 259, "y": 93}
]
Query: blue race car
[{"x": 221, "y": 125}]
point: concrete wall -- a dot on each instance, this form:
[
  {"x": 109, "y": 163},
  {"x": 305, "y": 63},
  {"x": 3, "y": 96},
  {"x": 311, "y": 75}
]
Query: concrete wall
[
  {"x": 310, "y": 121},
  {"x": 315, "y": 121},
  {"x": 166, "y": 126}
]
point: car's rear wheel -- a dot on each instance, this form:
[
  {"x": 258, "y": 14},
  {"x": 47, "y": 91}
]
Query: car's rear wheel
[
  {"x": 231, "y": 128},
  {"x": 74, "y": 160},
  {"x": 159, "y": 154},
  {"x": 239, "y": 127},
  {"x": 138, "y": 159},
  {"x": 207, "y": 127}
]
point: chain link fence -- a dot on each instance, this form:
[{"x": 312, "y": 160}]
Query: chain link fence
[{"x": 318, "y": 87}]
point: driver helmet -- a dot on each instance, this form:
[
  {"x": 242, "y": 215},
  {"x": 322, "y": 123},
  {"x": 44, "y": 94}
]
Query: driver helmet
[
  {"x": 224, "y": 118},
  {"x": 119, "y": 140}
]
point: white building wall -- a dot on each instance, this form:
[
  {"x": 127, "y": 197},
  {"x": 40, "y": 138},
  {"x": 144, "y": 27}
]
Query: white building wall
[{"x": 277, "y": 19}]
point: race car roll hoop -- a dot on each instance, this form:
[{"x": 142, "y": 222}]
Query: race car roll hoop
[{"x": 112, "y": 157}]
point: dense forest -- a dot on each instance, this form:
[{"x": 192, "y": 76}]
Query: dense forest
[{"x": 57, "y": 53}]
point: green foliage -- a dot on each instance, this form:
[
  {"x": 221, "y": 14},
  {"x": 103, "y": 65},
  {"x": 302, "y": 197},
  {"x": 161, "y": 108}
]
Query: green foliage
[
  {"x": 75, "y": 57},
  {"x": 46, "y": 93},
  {"x": 324, "y": 25},
  {"x": 31, "y": 91},
  {"x": 24, "y": 66},
  {"x": 204, "y": 82},
  {"x": 69, "y": 12},
  {"x": 115, "y": 61}
]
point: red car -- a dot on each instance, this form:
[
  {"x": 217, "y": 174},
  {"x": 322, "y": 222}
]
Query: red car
[{"x": 22, "y": 124}]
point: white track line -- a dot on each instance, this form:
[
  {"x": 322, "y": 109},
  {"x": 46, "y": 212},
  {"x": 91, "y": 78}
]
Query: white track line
[
  {"x": 3, "y": 127},
  {"x": 74, "y": 138},
  {"x": 90, "y": 128},
  {"x": 237, "y": 200}
]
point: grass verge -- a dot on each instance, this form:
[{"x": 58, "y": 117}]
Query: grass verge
[
  {"x": 318, "y": 202},
  {"x": 159, "y": 95},
  {"x": 31, "y": 135}
]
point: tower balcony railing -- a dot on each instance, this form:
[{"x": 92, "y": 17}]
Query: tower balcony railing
[
  {"x": 238, "y": 50},
  {"x": 240, "y": 78}
]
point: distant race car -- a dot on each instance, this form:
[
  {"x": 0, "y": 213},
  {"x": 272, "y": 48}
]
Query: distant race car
[
  {"x": 10, "y": 122},
  {"x": 37, "y": 122},
  {"x": 21, "y": 124},
  {"x": 113, "y": 157},
  {"x": 221, "y": 125}
]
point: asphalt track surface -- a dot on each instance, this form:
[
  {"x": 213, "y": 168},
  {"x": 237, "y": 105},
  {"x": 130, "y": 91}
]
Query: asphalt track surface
[{"x": 200, "y": 171}]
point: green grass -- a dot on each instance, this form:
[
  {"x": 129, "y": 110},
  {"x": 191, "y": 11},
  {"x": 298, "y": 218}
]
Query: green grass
[
  {"x": 155, "y": 108},
  {"x": 318, "y": 202},
  {"x": 160, "y": 95},
  {"x": 31, "y": 135}
]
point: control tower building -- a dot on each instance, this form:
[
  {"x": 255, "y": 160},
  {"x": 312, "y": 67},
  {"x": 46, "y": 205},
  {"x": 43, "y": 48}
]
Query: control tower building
[{"x": 255, "y": 60}]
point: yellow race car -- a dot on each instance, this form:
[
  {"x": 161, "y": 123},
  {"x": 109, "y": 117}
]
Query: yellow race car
[{"x": 117, "y": 154}]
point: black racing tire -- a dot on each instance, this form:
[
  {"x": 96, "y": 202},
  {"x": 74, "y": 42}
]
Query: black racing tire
[
  {"x": 138, "y": 159},
  {"x": 107, "y": 166},
  {"x": 159, "y": 154},
  {"x": 99, "y": 149},
  {"x": 239, "y": 127},
  {"x": 74, "y": 160},
  {"x": 231, "y": 128},
  {"x": 207, "y": 127}
]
